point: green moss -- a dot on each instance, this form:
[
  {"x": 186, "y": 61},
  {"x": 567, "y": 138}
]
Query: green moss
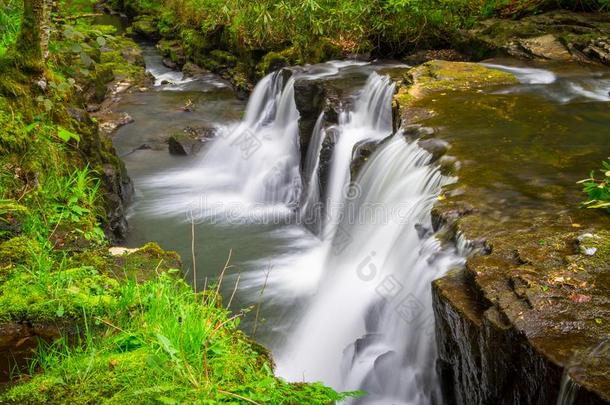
[
  {"x": 18, "y": 250},
  {"x": 145, "y": 263},
  {"x": 39, "y": 296},
  {"x": 598, "y": 246},
  {"x": 224, "y": 58},
  {"x": 271, "y": 62},
  {"x": 146, "y": 26}
]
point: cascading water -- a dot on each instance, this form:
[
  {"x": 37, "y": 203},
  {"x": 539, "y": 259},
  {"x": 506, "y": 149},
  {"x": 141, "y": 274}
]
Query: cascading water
[
  {"x": 369, "y": 324},
  {"x": 249, "y": 166}
]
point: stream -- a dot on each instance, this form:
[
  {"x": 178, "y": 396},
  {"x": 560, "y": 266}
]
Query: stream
[{"x": 343, "y": 274}]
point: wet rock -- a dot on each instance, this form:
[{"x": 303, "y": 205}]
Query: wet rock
[
  {"x": 326, "y": 155},
  {"x": 416, "y": 131},
  {"x": 309, "y": 97},
  {"x": 119, "y": 191},
  {"x": 111, "y": 121},
  {"x": 449, "y": 165},
  {"x": 599, "y": 50},
  {"x": 190, "y": 69},
  {"x": 169, "y": 64},
  {"x": 361, "y": 153},
  {"x": 173, "y": 53},
  {"x": 556, "y": 35},
  {"x": 133, "y": 55},
  {"x": 436, "y": 147},
  {"x": 183, "y": 145},
  {"x": 190, "y": 141}
]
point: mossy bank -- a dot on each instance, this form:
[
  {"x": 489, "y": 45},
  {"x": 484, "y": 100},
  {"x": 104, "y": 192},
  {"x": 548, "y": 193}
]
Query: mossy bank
[{"x": 532, "y": 302}]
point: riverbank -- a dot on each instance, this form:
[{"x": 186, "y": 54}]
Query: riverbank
[
  {"x": 82, "y": 321},
  {"x": 529, "y": 311}
]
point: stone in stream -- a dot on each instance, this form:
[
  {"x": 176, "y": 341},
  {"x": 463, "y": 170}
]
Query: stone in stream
[
  {"x": 436, "y": 147},
  {"x": 190, "y": 141}
]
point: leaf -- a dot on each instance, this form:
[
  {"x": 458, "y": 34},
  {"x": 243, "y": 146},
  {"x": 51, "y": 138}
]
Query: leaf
[
  {"x": 48, "y": 104},
  {"x": 60, "y": 311},
  {"x": 86, "y": 59},
  {"x": 76, "y": 48},
  {"x": 30, "y": 127},
  {"x": 66, "y": 135},
  {"x": 101, "y": 41},
  {"x": 167, "y": 345}
]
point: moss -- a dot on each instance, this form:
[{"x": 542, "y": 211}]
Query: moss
[
  {"x": 146, "y": 26},
  {"x": 18, "y": 250},
  {"x": 443, "y": 76},
  {"x": 224, "y": 58},
  {"x": 40, "y": 296},
  {"x": 271, "y": 62},
  {"x": 145, "y": 263},
  {"x": 598, "y": 247}
]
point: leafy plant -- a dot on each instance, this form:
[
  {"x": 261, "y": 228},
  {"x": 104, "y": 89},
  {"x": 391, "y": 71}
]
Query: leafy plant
[{"x": 598, "y": 190}]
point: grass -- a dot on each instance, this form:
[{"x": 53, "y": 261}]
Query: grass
[
  {"x": 133, "y": 330},
  {"x": 161, "y": 344},
  {"x": 10, "y": 19}
]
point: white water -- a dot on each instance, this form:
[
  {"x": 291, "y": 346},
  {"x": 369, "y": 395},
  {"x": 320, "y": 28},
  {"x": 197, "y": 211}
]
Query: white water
[
  {"x": 562, "y": 89},
  {"x": 251, "y": 169},
  {"x": 369, "y": 326},
  {"x": 568, "y": 390},
  {"x": 526, "y": 75},
  {"x": 365, "y": 286}
]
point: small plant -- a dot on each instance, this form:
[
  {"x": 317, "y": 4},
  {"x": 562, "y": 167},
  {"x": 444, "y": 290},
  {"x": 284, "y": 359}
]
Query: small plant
[{"x": 598, "y": 190}]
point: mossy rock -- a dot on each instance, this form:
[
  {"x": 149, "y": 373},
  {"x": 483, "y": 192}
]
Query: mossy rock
[
  {"x": 442, "y": 76},
  {"x": 145, "y": 263},
  {"x": 271, "y": 62},
  {"x": 224, "y": 58},
  {"x": 173, "y": 50},
  {"x": 146, "y": 26}
]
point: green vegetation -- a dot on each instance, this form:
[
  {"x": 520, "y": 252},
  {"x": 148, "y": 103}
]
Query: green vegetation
[
  {"x": 162, "y": 344},
  {"x": 598, "y": 190},
  {"x": 131, "y": 330},
  {"x": 10, "y": 18},
  {"x": 391, "y": 27}
]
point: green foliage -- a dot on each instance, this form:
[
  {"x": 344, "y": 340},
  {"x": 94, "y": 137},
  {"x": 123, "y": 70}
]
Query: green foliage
[
  {"x": 10, "y": 19},
  {"x": 161, "y": 344},
  {"x": 521, "y": 8},
  {"x": 598, "y": 190}
]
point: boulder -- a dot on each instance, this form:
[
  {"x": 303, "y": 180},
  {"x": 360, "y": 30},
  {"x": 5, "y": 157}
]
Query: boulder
[
  {"x": 145, "y": 26},
  {"x": 546, "y": 47},
  {"x": 183, "y": 145},
  {"x": 557, "y": 35},
  {"x": 190, "y": 69}
]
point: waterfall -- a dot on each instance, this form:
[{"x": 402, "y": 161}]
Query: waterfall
[
  {"x": 567, "y": 391},
  {"x": 249, "y": 168},
  {"x": 370, "y": 324},
  {"x": 371, "y": 120}
]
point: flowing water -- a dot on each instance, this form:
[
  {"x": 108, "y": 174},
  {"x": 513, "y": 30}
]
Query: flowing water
[{"x": 350, "y": 304}]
